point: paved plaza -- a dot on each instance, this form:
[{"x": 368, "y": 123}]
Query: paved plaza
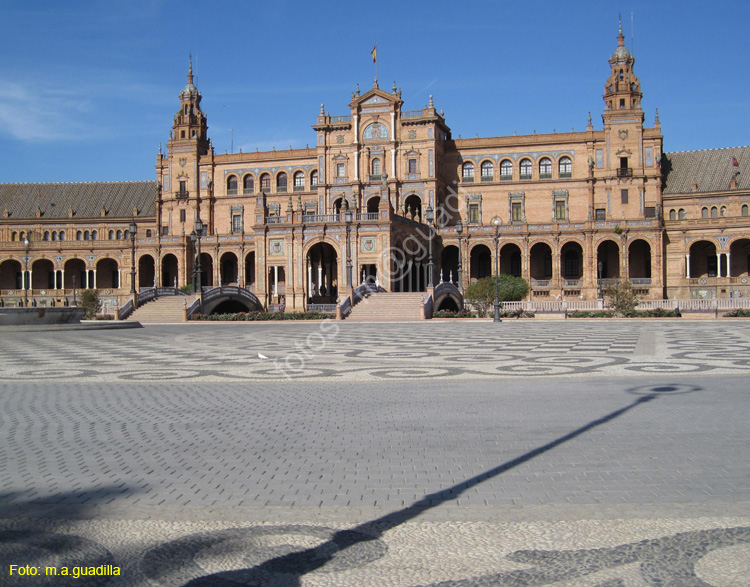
[{"x": 576, "y": 453}]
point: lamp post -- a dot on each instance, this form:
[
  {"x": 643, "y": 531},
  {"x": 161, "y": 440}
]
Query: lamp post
[
  {"x": 198, "y": 231},
  {"x": 75, "y": 303},
  {"x": 348, "y": 219},
  {"x": 429, "y": 215},
  {"x": 459, "y": 230},
  {"x": 496, "y": 222},
  {"x": 600, "y": 266},
  {"x": 26, "y": 272},
  {"x": 133, "y": 229}
]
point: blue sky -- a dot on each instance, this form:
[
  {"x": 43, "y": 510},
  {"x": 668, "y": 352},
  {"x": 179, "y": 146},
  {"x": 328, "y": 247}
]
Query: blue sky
[{"x": 88, "y": 89}]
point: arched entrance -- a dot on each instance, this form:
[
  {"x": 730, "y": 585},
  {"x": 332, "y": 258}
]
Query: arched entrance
[
  {"x": 11, "y": 275},
  {"x": 250, "y": 270},
  {"x": 571, "y": 256},
  {"x": 107, "y": 274},
  {"x": 510, "y": 260},
  {"x": 169, "y": 271},
  {"x": 449, "y": 264},
  {"x": 540, "y": 262},
  {"x": 146, "y": 271},
  {"x": 639, "y": 260},
  {"x": 75, "y": 274},
  {"x": 480, "y": 262},
  {"x": 413, "y": 207},
  {"x": 739, "y": 253},
  {"x": 42, "y": 274},
  {"x": 228, "y": 266},
  {"x": 703, "y": 261},
  {"x": 608, "y": 254},
  {"x": 207, "y": 270},
  {"x": 373, "y": 204},
  {"x": 322, "y": 274}
]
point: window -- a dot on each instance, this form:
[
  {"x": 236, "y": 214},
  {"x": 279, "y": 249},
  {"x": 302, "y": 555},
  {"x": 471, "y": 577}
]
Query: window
[
  {"x": 744, "y": 210},
  {"x": 506, "y": 170},
  {"x": 94, "y": 235},
  {"x": 467, "y": 171},
  {"x": 111, "y": 235},
  {"x": 516, "y": 211},
  {"x": 545, "y": 169},
  {"x": 183, "y": 187},
  {"x": 376, "y": 167},
  {"x": 413, "y": 166},
  {"x": 565, "y": 167},
  {"x": 46, "y": 235},
  {"x": 649, "y": 212},
  {"x": 488, "y": 170},
  {"x": 601, "y": 214},
  {"x": 714, "y": 212},
  {"x": 723, "y": 211},
  {"x": 281, "y": 182},
  {"x": 164, "y": 230},
  {"x": 265, "y": 182},
  {"x": 560, "y": 210},
  {"x": 248, "y": 184},
  {"x": 314, "y": 178},
  {"x": 79, "y": 235},
  {"x": 682, "y": 215},
  {"x": 623, "y": 196},
  {"x": 299, "y": 182},
  {"x": 704, "y": 212},
  {"x": 525, "y": 168},
  {"x": 622, "y": 102},
  {"x": 673, "y": 214},
  {"x": 340, "y": 170},
  {"x": 54, "y": 235},
  {"x": 148, "y": 233},
  {"x": 62, "y": 235},
  {"x": 119, "y": 235},
  {"x": 474, "y": 213},
  {"x": 86, "y": 235},
  {"x": 236, "y": 223}
]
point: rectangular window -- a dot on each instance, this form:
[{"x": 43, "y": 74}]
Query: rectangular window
[
  {"x": 623, "y": 196},
  {"x": 183, "y": 187},
  {"x": 182, "y": 215},
  {"x": 340, "y": 170},
  {"x": 516, "y": 210},
  {"x": 413, "y": 166},
  {"x": 236, "y": 223},
  {"x": 474, "y": 213},
  {"x": 649, "y": 212},
  {"x": 560, "y": 210},
  {"x": 601, "y": 214},
  {"x": 164, "y": 230}
]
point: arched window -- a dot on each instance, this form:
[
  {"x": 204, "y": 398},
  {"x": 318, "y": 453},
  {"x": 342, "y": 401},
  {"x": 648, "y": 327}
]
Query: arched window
[
  {"x": 281, "y": 182},
  {"x": 14, "y": 236},
  {"x": 86, "y": 235},
  {"x": 94, "y": 235},
  {"x": 299, "y": 181},
  {"x": 314, "y": 178},
  {"x": 488, "y": 170},
  {"x": 148, "y": 233},
  {"x": 673, "y": 215},
  {"x": 714, "y": 212},
  {"x": 566, "y": 167},
  {"x": 682, "y": 215},
  {"x": 467, "y": 171},
  {"x": 126, "y": 235},
  {"x": 111, "y": 235},
  {"x": 54, "y": 235},
  {"x": 525, "y": 168},
  {"x": 232, "y": 185},
  {"x": 723, "y": 211},
  {"x": 265, "y": 182},
  {"x": 744, "y": 210},
  {"x": 79, "y": 235},
  {"x": 62, "y": 235},
  {"x": 119, "y": 235},
  {"x": 506, "y": 170},
  {"x": 376, "y": 167},
  {"x": 545, "y": 168},
  {"x": 46, "y": 235},
  {"x": 704, "y": 213},
  {"x": 248, "y": 184}
]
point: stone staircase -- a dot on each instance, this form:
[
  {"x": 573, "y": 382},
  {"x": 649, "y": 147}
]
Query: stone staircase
[
  {"x": 164, "y": 310},
  {"x": 388, "y": 307}
]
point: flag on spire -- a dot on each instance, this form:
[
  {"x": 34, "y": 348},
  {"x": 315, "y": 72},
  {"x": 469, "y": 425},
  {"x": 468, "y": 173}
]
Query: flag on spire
[{"x": 374, "y": 53}]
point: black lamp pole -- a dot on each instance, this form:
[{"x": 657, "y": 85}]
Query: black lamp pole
[
  {"x": 497, "y": 271},
  {"x": 459, "y": 230},
  {"x": 348, "y": 219},
  {"x": 600, "y": 266},
  {"x": 198, "y": 234},
  {"x": 26, "y": 272},
  {"x": 133, "y": 229},
  {"x": 430, "y": 217}
]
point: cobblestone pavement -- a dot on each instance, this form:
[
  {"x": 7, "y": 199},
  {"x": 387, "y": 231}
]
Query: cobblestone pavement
[{"x": 594, "y": 454}]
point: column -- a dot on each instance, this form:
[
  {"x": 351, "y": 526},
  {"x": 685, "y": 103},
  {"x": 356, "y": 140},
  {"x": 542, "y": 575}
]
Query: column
[
  {"x": 356, "y": 165},
  {"x": 94, "y": 277},
  {"x": 276, "y": 280},
  {"x": 729, "y": 264},
  {"x": 62, "y": 278},
  {"x": 320, "y": 276},
  {"x": 309, "y": 279},
  {"x": 119, "y": 278},
  {"x": 393, "y": 163},
  {"x": 718, "y": 264},
  {"x": 687, "y": 266},
  {"x": 409, "y": 270}
]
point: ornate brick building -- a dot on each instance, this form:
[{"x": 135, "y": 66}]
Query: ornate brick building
[{"x": 567, "y": 211}]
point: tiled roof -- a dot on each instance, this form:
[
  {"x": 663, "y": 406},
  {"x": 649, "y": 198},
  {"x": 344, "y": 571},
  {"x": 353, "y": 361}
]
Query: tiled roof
[
  {"x": 711, "y": 169},
  {"x": 55, "y": 200}
]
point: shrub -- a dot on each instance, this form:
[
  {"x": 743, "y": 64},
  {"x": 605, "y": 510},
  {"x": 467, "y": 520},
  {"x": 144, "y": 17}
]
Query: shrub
[
  {"x": 590, "y": 314},
  {"x": 451, "y": 314},
  {"x": 188, "y": 289},
  {"x": 257, "y": 316},
  {"x": 622, "y": 298},
  {"x": 481, "y": 294},
  {"x": 738, "y": 313},
  {"x": 517, "y": 314},
  {"x": 89, "y": 300}
]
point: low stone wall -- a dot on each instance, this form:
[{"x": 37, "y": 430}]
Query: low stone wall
[{"x": 25, "y": 316}]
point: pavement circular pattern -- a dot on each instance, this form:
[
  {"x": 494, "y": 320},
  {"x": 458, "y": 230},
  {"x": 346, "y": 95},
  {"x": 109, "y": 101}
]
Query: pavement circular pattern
[
  {"x": 258, "y": 554},
  {"x": 41, "y": 549}
]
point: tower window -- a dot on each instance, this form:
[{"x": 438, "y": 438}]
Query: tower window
[
  {"x": 488, "y": 170},
  {"x": 622, "y": 102},
  {"x": 248, "y": 184},
  {"x": 566, "y": 167},
  {"x": 467, "y": 171},
  {"x": 182, "y": 215},
  {"x": 413, "y": 166},
  {"x": 281, "y": 182},
  {"x": 526, "y": 169},
  {"x": 265, "y": 182},
  {"x": 182, "y": 134},
  {"x": 545, "y": 169},
  {"x": 299, "y": 181},
  {"x": 376, "y": 167},
  {"x": 314, "y": 178},
  {"x": 506, "y": 170}
]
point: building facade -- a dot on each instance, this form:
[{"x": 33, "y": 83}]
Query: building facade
[{"x": 389, "y": 195}]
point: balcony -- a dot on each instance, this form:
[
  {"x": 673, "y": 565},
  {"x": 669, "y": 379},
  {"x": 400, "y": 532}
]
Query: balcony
[
  {"x": 182, "y": 195},
  {"x": 367, "y": 216},
  {"x": 487, "y": 178},
  {"x": 280, "y": 189},
  {"x": 566, "y": 174},
  {"x": 375, "y": 177},
  {"x": 572, "y": 282},
  {"x": 540, "y": 283},
  {"x": 506, "y": 178},
  {"x": 299, "y": 188},
  {"x": 545, "y": 176},
  {"x": 468, "y": 179},
  {"x": 273, "y": 220},
  {"x": 525, "y": 176},
  {"x": 625, "y": 172},
  {"x": 232, "y": 192}
]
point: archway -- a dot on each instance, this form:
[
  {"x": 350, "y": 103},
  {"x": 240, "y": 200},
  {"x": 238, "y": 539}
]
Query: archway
[
  {"x": 571, "y": 256},
  {"x": 480, "y": 262},
  {"x": 107, "y": 274},
  {"x": 169, "y": 271},
  {"x": 75, "y": 274},
  {"x": 608, "y": 254},
  {"x": 228, "y": 266},
  {"x": 510, "y": 260},
  {"x": 739, "y": 252},
  {"x": 373, "y": 204},
  {"x": 639, "y": 260},
  {"x": 42, "y": 274},
  {"x": 250, "y": 270},
  {"x": 413, "y": 207},
  {"x": 448, "y": 264},
  {"x": 703, "y": 262},
  {"x": 11, "y": 273},
  {"x": 540, "y": 262},
  {"x": 207, "y": 270},
  {"x": 322, "y": 274},
  {"x": 447, "y": 303},
  {"x": 146, "y": 271}
]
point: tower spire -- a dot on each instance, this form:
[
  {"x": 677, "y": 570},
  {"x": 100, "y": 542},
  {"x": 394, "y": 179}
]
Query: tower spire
[{"x": 190, "y": 70}]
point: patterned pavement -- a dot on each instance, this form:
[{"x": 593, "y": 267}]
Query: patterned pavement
[{"x": 592, "y": 454}]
